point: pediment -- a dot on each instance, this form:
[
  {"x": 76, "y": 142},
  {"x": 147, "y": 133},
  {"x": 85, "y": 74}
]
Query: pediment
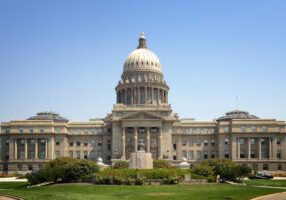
[{"x": 142, "y": 115}]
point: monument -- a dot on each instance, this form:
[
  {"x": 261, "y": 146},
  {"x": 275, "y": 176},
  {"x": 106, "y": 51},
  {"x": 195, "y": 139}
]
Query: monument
[{"x": 140, "y": 159}]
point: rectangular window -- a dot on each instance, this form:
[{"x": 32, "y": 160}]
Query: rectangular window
[
  {"x": 78, "y": 155},
  {"x": 174, "y": 130},
  {"x": 174, "y": 157},
  {"x": 71, "y": 154},
  {"x": 191, "y": 155},
  {"x": 205, "y": 131},
  {"x": 57, "y": 153},
  {"x": 226, "y": 141},
  {"x": 279, "y": 154},
  {"x": 226, "y": 129},
  {"x": 278, "y": 141},
  {"x": 7, "y": 130},
  {"x": 191, "y": 131},
  {"x": 243, "y": 129},
  {"x": 264, "y": 128},
  {"x": 241, "y": 141},
  {"x": 57, "y": 143},
  {"x": 30, "y": 167},
  {"x": 92, "y": 155},
  {"x": 253, "y": 129},
  {"x": 78, "y": 144},
  {"x": 198, "y": 131},
  {"x": 92, "y": 142},
  {"x": 100, "y": 131},
  {"x": 71, "y": 131},
  {"x": 85, "y": 154},
  {"x": 198, "y": 155},
  {"x": 92, "y": 131},
  {"x": 252, "y": 154},
  {"x": 205, "y": 155},
  {"x": 71, "y": 144},
  {"x": 212, "y": 131},
  {"x": 252, "y": 141},
  {"x": 85, "y": 131},
  {"x": 226, "y": 154},
  {"x": 242, "y": 154},
  {"x": 58, "y": 130},
  {"x": 78, "y": 131},
  {"x": 213, "y": 154},
  {"x": 263, "y": 141},
  {"x": 42, "y": 130},
  {"x": 198, "y": 143},
  {"x": 265, "y": 166},
  {"x": 108, "y": 147},
  {"x": 184, "y": 130},
  {"x": 7, "y": 142},
  {"x": 278, "y": 129},
  {"x": 31, "y": 130},
  {"x": 99, "y": 143},
  {"x": 174, "y": 146},
  {"x": 206, "y": 142},
  {"x": 85, "y": 143},
  {"x": 184, "y": 154},
  {"x": 20, "y": 130},
  {"x": 191, "y": 143},
  {"x": 212, "y": 142},
  {"x": 184, "y": 142},
  {"x": 31, "y": 155}
]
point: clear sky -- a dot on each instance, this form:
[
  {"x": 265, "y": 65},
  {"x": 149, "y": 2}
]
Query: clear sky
[{"x": 67, "y": 56}]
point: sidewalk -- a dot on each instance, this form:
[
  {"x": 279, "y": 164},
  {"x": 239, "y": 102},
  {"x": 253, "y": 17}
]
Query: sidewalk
[
  {"x": 12, "y": 179},
  {"x": 277, "y": 196}
]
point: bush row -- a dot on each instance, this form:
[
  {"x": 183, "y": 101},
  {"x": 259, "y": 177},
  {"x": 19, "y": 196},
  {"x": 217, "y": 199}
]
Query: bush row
[{"x": 64, "y": 169}]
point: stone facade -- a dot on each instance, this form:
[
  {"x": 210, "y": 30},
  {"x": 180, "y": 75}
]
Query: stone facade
[{"x": 142, "y": 114}]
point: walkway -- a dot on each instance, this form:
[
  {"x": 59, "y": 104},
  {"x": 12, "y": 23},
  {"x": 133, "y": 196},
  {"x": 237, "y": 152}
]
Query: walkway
[
  {"x": 12, "y": 179},
  {"x": 277, "y": 196}
]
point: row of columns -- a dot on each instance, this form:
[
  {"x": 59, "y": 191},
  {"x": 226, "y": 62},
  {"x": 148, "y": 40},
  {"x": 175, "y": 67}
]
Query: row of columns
[
  {"x": 148, "y": 146},
  {"x": 26, "y": 149},
  {"x": 259, "y": 147},
  {"x": 134, "y": 94}
]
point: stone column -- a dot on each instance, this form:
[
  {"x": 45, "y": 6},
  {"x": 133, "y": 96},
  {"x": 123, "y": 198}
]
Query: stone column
[
  {"x": 148, "y": 140},
  {"x": 123, "y": 144},
  {"x": 146, "y": 99},
  {"x": 159, "y": 143},
  {"x": 138, "y": 95},
  {"x": 36, "y": 148},
  {"x": 270, "y": 148},
  {"x": 259, "y": 148},
  {"x": 26, "y": 149},
  {"x": 132, "y": 95},
  {"x": 46, "y": 149},
  {"x": 15, "y": 149},
  {"x": 158, "y": 94},
  {"x": 152, "y": 95},
  {"x": 238, "y": 148},
  {"x": 121, "y": 98},
  {"x": 249, "y": 148},
  {"x": 135, "y": 140},
  {"x": 166, "y": 97},
  {"x": 125, "y": 96}
]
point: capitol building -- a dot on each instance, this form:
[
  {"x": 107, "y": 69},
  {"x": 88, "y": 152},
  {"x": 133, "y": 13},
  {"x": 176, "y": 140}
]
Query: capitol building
[{"x": 142, "y": 114}]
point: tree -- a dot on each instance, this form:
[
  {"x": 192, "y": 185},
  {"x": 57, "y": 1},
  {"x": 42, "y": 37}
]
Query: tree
[{"x": 161, "y": 164}]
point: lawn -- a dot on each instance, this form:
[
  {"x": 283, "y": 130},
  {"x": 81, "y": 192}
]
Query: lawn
[
  {"x": 275, "y": 183},
  {"x": 86, "y": 192}
]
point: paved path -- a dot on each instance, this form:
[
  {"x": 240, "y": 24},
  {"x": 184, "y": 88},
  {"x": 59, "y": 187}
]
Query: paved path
[
  {"x": 7, "y": 197},
  {"x": 277, "y": 196},
  {"x": 12, "y": 179}
]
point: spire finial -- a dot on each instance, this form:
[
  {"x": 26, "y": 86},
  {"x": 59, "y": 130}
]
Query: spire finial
[{"x": 142, "y": 41}]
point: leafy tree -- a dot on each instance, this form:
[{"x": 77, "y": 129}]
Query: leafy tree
[
  {"x": 121, "y": 165},
  {"x": 161, "y": 164}
]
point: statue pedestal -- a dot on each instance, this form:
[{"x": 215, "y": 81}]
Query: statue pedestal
[{"x": 141, "y": 160}]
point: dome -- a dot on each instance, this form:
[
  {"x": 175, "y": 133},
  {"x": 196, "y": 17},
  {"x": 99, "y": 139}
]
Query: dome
[
  {"x": 236, "y": 114},
  {"x": 48, "y": 116},
  {"x": 142, "y": 59}
]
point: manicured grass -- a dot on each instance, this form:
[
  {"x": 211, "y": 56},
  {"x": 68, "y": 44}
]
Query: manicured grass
[
  {"x": 276, "y": 183},
  {"x": 94, "y": 192}
]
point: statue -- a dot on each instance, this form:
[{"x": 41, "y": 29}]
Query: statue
[{"x": 141, "y": 146}]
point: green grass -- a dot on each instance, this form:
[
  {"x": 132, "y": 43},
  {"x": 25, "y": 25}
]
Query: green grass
[
  {"x": 94, "y": 192},
  {"x": 276, "y": 183}
]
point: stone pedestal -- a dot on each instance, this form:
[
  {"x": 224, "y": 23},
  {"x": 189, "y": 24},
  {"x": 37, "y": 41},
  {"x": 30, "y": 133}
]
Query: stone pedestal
[{"x": 141, "y": 160}]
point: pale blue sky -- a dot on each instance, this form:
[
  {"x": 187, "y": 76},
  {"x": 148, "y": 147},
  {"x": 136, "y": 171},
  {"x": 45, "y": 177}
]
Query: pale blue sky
[{"x": 72, "y": 52}]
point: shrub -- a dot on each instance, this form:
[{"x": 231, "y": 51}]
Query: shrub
[
  {"x": 79, "y": 168},
  {"x": 44, "y": 175},
  {"x": 202, "y": 170},
  {"x": 217, "y": 164},
  {"x": 161, "y": 164},
  {"x": 60, "y": 162},
  {"x": 121, "y": 165}
]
